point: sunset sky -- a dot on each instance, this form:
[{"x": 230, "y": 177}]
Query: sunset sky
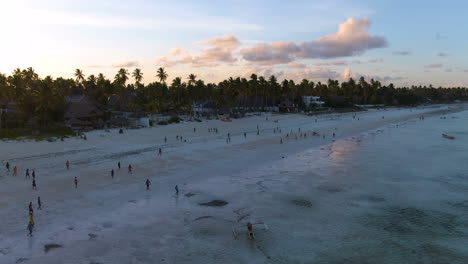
[{"x": 404, "y": 42}]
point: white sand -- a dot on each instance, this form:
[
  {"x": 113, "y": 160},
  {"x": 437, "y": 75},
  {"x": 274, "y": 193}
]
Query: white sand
[{"x": 138, "y": 226}]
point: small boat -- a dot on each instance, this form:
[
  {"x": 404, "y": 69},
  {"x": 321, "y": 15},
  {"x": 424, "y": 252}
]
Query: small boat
[{"x": 448, "y": 137}]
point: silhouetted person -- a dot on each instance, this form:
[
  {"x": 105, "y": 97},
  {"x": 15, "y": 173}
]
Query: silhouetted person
[
  {"x": 148, "y": 183},
  {"x": 31, "y": 210},
  {"x": 39, "y": 204}
]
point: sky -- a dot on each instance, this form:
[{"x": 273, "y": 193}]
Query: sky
[{"x": 403, "y": 42}]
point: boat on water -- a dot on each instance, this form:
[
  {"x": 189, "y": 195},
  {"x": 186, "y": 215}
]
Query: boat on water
[{"x": 448, "y": 137}]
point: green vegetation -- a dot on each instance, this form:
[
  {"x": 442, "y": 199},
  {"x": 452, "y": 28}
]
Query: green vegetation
[
  {"x": 163, "y": 123},
  {"x": 43, "y": 99},
  {"x": 38, "y": 133},
  {"x": 174, "y": 119}
]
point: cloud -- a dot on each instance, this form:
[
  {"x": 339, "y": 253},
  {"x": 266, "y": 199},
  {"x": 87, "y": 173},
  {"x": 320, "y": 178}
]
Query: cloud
[
  {"x": 376, "y": 61},
  {"x": 175, "y": 52},
  {"x": 346, "y": 74},
  {"x": 402, "y": 53},
  {"x": 296, "y": 65},
  {"x": 434, "y": 65},
  {"x": 443, "y": 54},
  {"x": 126, "y": 64},
  {"x": 334, "y": 63},
  {"x": 313, "y": 74},
  {"x": 351, "y": 39},
  {"x": 218, "y": 49}
]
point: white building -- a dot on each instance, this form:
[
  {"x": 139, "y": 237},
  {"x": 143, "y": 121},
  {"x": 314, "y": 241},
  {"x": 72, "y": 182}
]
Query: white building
[{"x": 312, "y": 101}]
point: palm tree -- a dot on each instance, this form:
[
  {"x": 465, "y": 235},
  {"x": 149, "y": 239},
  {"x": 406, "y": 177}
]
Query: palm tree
[
  {"x": 138, "y": 75},
  {"x": 92, "y": 79},
  {"x": 121, "y": 77},
  {"x": 79, "y": 76},
  {"x": 192, "y": 79},
  {"x": 162, "y": 75}
]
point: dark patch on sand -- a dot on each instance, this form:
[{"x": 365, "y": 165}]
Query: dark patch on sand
[
  {"x": 414, "y": 221},
  {"x": 92, "y": 236},
  {"x": 459, "y": 205},
  {"x": 302, "y": 203},
  {"x": 215, "y": 203},
  {"x": 131, "y": 201},
  {"x": 330, "y": 189},
  {"x": 203, "y": 217},
  {"x": 189, "y": 194},
  {"x": 48, "y": 247},
  {"x": 107, "y": 225},
  {"x": 21, "y": 260},
  {"x": 71, "y": 228}
]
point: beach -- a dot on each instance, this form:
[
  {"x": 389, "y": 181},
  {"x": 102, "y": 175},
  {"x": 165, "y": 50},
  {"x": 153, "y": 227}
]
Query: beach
[{"x": 347, "y": 198}]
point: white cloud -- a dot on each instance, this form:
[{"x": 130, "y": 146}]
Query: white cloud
[
  {"x": 218, "y": 49},
  {"x": 126, "y": 64},
  {"x": 402, "y": 53},
  {"x": 443, "y": 54},
  {"x": 351, "y": 39},
  {"x": 434, "y": 65},
  {"x": 313, "y": 74}
]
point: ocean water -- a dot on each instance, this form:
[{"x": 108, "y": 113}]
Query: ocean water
[{"x": 394, "y": 195}]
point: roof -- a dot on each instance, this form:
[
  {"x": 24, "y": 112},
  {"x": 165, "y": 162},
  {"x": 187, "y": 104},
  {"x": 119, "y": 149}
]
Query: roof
[
  {"x": 75, "y": 98},
  {"x": 82, "y": 108},
  {"x": 74, "y": 121}
]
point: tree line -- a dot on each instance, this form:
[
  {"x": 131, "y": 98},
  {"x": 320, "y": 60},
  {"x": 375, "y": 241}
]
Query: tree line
[{"x": 43, "y": 99}]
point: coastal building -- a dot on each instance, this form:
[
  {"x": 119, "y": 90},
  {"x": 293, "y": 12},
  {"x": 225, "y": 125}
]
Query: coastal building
[
  {"x": 200, "y": 108},
  {"x": 7, "y": 106},
  {"x": 311, "y": 101},
  {"x": 81, "y": 113},
  {"x": 286, "y": 106}
]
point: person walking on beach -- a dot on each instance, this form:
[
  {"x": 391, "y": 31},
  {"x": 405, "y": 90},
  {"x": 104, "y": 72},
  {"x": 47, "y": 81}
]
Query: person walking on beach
[
  {"x": 30, "y": 225},
  {"x": 176, "y": 189},
  {"x": 34, "y": 187},
  {"x": 31, "y": 210},
  {"x": 34, "y": 174},
  {"x": 129, "y": 168},
  {"x": 165, "y": 139},
  {"x": 245, "y": 135},
  {"x": 281, "y": 141},
  {"x": 250, "y": 231},
  {"x": 8, "y": 166},
  {"x": 160, "y": 152},
  {"x": 76, "y": 182},
  {"x": 194, "y": 130},
  {"x": 148, "y": 183},
  {"x": 68, "y": 164},
  {"x": 15, "y": 171},
  {"x": 27, "y": 174},
  {"x": 112, "y": 173},
  {"x": 39, "y": 204},
  {"x": 118, "y": 165}
]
